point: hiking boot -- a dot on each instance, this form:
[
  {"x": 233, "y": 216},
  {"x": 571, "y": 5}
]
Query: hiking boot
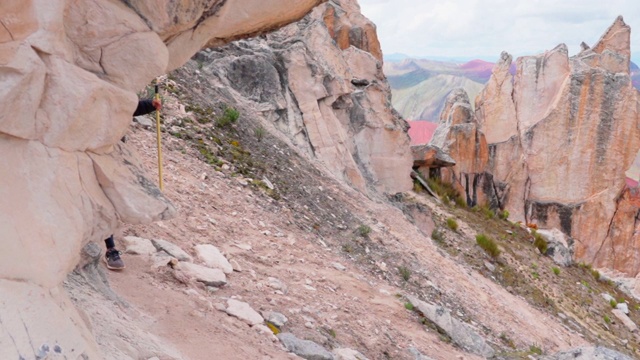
[{"x": 113, "y": 260}]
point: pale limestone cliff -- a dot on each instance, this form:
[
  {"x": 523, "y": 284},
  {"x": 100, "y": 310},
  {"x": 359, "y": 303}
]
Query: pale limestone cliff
[
  {"x": 560, "y": 139},
  {"x": 70, "y": 71},
  {"x": 332, "y": 103}
]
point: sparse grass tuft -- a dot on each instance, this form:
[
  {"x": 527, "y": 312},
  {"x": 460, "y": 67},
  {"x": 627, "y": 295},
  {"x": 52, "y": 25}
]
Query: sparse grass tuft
[
  {"x": 595, "y": 273},
  {"x": 507, "y": 340},
  {"x": 348, "y": 248},
  {"x": 229, "y": 116},
  {"x": 504, "y": 215},
  {"x": 446, "y": 192},
  {"x": 488, "y": 245},
  {"x": 540, "y": 243},
  {"x": 452, "y": 224},
  {"x": 364, "y": 230},
  {"x": 613, "y": 303},
  {"x": 556, "y": 270},
  {"x": 259, "y": 132},
  {"x": 535, "y": 349},
  {"x": 607, "y": 319},
  {"x": 404, "y": 272},
  {"x": 437, "y": 236}
]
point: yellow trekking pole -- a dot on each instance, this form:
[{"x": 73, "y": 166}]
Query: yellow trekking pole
[{"x": 159, "y": 141}]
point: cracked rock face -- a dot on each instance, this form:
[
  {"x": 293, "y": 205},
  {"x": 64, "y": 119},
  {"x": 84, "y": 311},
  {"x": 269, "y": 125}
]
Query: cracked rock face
[
  {"x": 329, "y": 98},
  {"x": 561, "y": 136},
  {"x": 69, "y": 73}
]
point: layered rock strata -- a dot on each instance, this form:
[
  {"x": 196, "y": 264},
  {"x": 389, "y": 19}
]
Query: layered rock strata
[
  {"x": 329, "y": 98},
  {"x": 561, "y": 135},
  {"x": 70, "y": 71}
]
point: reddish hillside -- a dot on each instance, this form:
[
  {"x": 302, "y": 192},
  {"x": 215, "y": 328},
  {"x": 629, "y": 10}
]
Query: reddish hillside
[
  {"x": 421, "y": 132},
  {"x": 478, "y": 70}
]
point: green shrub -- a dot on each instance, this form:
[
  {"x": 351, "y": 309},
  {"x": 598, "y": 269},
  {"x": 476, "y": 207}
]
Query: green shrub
[
  {"x": 504, "y": 215},
  {"x": 535, "y": 349},
  {"x": 417, "y": 186},
  {"x": 452, "y": 224},
  {"x": 540, "y": 243},
  {"x": 259, "y": 132},
  {"x": 364, "y": 230},
  {"x": 404, "y": 272},
  {"x": 556, "y": 270},
  {"x": 613, "y": 303},
  {"x": 408, "y": 306},
  {"x": 595, "y": 273},
  {"x": 446, "y": 191},
  {"x": 488, "y": 213},
  {"x": 437, "y": 236},
  {"x": 229, "y": 116},
  {"x": 488, "y": 245},
  {"x": 607, "y": 319}
]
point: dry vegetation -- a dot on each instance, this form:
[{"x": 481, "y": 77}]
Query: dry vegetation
[{"x": 572, "y": 294}]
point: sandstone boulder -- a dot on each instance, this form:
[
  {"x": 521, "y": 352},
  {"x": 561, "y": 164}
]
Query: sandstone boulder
[{"x": 69, "y": 73}]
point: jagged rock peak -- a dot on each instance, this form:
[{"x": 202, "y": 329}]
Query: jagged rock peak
[
  {"x": 617, "y": 38},
  {"x": 504, "y": 62},
  {"x": 457, "y": 108}
]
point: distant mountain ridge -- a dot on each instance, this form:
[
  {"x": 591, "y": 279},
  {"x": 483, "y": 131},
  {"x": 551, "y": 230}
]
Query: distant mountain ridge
[{"x": 419, "y": 86}]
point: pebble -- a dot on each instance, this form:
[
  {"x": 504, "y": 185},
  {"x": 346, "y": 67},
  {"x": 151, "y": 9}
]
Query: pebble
[{"x": 338, "y": 266}]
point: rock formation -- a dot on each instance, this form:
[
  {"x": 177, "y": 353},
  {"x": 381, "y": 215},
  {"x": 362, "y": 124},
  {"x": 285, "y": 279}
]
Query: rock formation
[
  {"x": 561, "y": 135},
  {"x": 332, "y": 103},
  {"x": 458, "y": 134},
  {"x": 69, "y": 71}
]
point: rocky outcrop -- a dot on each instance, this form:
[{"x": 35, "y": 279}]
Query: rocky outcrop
[
  {"x": 332, "y": 103},
  {"x": 70, "y": 71},
  {"x": 458, "y": 135},
  {"x": 560, "y": 137}
]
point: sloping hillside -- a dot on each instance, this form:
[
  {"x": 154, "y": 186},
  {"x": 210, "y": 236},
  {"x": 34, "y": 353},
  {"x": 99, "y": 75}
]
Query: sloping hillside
[
  {"x": 424, "y": 100},
  {"x": 340, "y": 266}
]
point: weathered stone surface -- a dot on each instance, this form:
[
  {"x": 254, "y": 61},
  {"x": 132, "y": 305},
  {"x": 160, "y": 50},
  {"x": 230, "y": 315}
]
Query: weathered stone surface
[
  {"x": 171, "y": 249},
  {"x": 23, "y": 306},
  {"x": 417, "y": 355},
  {"x": 305, "y": 88},
  {"x": 138, "y": 246},
  {"x": 458, "y": 135},
  {"x": 136, "y": 199},
  {"x": 212, "y": 257},
  {"x": 203, "y": 274},
  {"x": 69, "y": 73},
  {"x": 348, "y": 354},
  {"x": 430, "y": 156},
  {"x": 244, "y": 312},
  {"x": 275, "y": 318},
  {"x": 558, "y": 247},
  {"x": 348, "y": 27},
  {"x": 48, "y": 207},
  {"x": 304, "y": 348},
  {"x": 588, "y": 353},
  {"x": 626, "y": 321},
  {"x": 461, "y": 334},
  {"x": 495, "y": 111},
  {"x": 616, "y": 42}
]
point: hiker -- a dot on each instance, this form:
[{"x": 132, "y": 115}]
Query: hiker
[{"x": 112, "y": 256}]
